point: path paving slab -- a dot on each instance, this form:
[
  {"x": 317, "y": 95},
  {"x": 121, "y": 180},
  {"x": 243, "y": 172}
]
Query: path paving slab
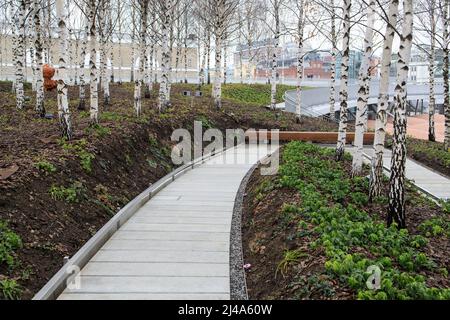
[{"x": 177, "y": 245}]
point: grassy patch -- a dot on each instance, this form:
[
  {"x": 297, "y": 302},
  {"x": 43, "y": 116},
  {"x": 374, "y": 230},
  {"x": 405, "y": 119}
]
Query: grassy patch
[{"x": 254, "y": 94}]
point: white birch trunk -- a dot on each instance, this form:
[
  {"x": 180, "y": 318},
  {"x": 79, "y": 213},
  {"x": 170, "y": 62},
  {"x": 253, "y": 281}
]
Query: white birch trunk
[
  {"x": 300, "y": 27},
  {"x": 120, "y": 61},
  {"x": 60, "y": 75},
  {"x": 376, "y": 173},
  {"x": 93, "y": 78},
  {"x": 208, "y": 58},
  {"x": 273, "y": 90},
  {"x": 142, "y": 53},
  {"x": 82, "y": 87},
  {"x": 165, "y": 55},
  {"x": 20, "y": 52},
  {"x": 202, "y": 65},
  {"x": 446, "y": 18},
  {"x": 152, "y": 56},
  {"x": 225, "y": 52},
  {"x": 217, "y": 92},
  {"x": 343, "y": 94},
  {"x": 432, "y": 100},
  {"x": 333, "y": 37},
  {"x": 397, "y": 182},
  {"x": 40, "y": 109},
  {"x": 363, "y": 92}
]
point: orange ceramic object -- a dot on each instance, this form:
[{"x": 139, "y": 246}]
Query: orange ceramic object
[{"x": 48, "y": 73}]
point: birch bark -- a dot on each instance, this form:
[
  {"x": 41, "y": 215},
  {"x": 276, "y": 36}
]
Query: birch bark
[
  {"x": 20, "y": 53},
  {"x": 376, "y": 173},
  {"x": 273, "y": 90},
  {"x": 363, "y": 92},
  {"x": 446, "y": 18},
  {"x": 333, "y": 37},
  {"x": 93, "y": 77},
  {"x": 60, "y": 75},
  {"x": 300, "y": 27},
  {"x": 82, "y": 87},
  {"x": 397, "y": 182},
  {"x": 343, "y": 94},
  {"x": 40, "y": 109},
  {"x": 432, "y": 101}
]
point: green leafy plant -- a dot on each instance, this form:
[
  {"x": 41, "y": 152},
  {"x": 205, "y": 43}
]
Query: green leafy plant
[
  {"x": 45, "y": 166},
  {"x": 9, "y": 242},
  {"x": 343, "y": 227},
  {"x": 99, "y": 130},
  {"x": 80, "y": 149},
  {"x": 10, "y": 289},
  {"x": 73, "y": 193}
]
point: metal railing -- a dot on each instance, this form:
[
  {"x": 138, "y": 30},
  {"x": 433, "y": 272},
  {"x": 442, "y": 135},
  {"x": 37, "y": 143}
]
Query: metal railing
[{"x": 308, "y": 110}]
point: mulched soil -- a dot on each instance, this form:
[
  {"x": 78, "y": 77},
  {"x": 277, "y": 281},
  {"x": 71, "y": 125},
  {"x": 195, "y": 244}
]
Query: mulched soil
[
  {"x": 132, "y": 154},
  {"x": 266, "y": 236}
]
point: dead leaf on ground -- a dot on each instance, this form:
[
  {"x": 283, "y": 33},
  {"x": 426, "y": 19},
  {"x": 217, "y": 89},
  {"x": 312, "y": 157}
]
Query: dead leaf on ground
[{"x": 7, "y": 172}]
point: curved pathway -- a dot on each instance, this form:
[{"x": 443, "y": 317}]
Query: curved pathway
[{"x": 177, "y": 246}]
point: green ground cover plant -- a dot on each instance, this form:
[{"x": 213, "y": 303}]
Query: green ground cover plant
[{"x": 351, "y": 238}]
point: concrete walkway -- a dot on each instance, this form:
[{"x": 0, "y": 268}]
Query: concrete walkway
[
  {"x": 424, "y": 178},
  {"x": 177, "y": 245}
]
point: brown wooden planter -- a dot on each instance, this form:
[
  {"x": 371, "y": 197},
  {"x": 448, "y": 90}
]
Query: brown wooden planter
[{"x": 316, "y": 137}]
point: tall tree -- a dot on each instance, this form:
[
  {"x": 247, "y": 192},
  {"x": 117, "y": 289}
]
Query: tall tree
[
  {"x": 376, "y": 173},
  {"x": 143, "y": 9},
  {"x": 61, "y": 76},
  {"x": 165, "y": 10},
  {"x": 82, "y": 87},
  {"x": 20, "y": 55},
  {"x": 446, "y": 70},
  {"x": 342, "y": 135},
  {"x": 363, "y": 92},
  {"x": 397, "y": 182},
  {"x": 334, "y": 50},
  {"x": 93, "y": 73},
  {"x": 275, "y": 7},
  {"x": 300, "y": 30},
  {"x": 40, "y": 109}
]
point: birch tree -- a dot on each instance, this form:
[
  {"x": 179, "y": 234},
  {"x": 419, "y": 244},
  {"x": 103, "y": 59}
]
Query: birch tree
[
  {"x": 20, "y": 55},
  {"x": 143, "y": 9},
  {"x": 275, "y": 9},
  {"x": 397, "y": 181},
  {"x": 40, "y": 109},
  {"x": 82, "y": 86},
  {"x": 363, "y": 92},
  {"x": 426, "y": 28},
  {"x": 432, "y": 57},
  {"x": 445, "y": 23},
  {"x": 60, "y": 75},
  {"x": 343, "y": 94},
  {"x": 376, "y": 173},
  {"x": 300, "y": 29},
  {"x": 93, "y": 73},
  {"x": 219, "y": 14},
  {"x": 165, "y": 11}
]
